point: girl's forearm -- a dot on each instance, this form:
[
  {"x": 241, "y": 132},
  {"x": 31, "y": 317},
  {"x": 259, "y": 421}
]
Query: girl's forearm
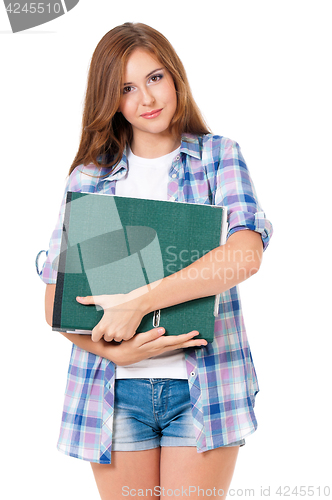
[
  {"x": 100, "y": 348},
  {"x": 214, "y": 273}
]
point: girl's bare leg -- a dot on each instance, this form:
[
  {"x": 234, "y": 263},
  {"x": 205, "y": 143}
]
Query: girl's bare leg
[
  {"x": 174, "y": 471},
  {"x": 182, "y": 468},
  {"x": 129, "y": 470}
]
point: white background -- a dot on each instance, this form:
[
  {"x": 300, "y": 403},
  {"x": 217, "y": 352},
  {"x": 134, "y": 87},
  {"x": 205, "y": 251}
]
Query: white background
[{"x": 261, "y": 73}]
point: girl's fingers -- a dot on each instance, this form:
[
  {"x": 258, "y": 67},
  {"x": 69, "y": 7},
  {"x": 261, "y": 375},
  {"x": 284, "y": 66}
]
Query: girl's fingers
[
  {"x": 88, "y": 300},
  {"x": 169, "y": 342},
  {"x": 152, "y": 343},
  {"x": 96, "y": 334},
  {"x": 104, "y": 301},
  {"x": 177, "y": 340},
  {"x": 149, "y": 336},
  {"x": 188, "y": 343}
]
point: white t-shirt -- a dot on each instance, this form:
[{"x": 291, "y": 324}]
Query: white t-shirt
[{"x": 148, "y": 178}]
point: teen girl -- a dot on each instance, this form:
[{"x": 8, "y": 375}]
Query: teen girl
[{"x": 157, "y": 402}]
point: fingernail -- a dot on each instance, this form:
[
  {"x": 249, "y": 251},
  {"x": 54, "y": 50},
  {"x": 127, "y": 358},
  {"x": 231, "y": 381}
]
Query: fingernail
[{"x": 161, "y": 330}]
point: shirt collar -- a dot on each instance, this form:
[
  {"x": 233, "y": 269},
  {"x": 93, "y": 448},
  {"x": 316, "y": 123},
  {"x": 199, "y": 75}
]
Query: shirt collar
[{"x": 190, "y": 145}]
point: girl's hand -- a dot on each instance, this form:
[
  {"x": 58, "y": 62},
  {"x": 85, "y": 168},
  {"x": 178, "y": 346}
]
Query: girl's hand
[
  {"x": 122, "y": 316},
  {"x": 147, "y": 344}
]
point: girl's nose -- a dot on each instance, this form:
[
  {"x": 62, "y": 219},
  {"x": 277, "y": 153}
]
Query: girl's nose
[{"x": 147, "y": 97}]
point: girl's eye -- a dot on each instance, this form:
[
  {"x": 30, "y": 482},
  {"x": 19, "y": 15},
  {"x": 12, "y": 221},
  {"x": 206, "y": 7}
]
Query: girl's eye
[
  {"x": 156, "y": 78},
  {"x": 126, "y": 90}
]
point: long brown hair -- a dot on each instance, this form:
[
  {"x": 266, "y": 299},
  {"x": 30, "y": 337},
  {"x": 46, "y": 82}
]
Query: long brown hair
[{"x": 105, "y": 131}]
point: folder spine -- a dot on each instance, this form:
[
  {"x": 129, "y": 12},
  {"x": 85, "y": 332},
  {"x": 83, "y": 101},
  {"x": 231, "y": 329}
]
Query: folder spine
[{"x": 57, "y": 307}]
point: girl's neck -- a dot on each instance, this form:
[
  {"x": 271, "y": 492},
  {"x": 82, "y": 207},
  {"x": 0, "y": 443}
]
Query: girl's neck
[{"x": 154, "y": 146}]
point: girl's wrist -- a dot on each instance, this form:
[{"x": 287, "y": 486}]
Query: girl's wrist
[{"x": 143, "y": 298}]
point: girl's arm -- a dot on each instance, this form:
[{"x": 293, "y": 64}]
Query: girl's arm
[
  {"x": 217, "y": 271},
  {"x": 214, "y": 273},
  {"x": 140, "y": 346}
]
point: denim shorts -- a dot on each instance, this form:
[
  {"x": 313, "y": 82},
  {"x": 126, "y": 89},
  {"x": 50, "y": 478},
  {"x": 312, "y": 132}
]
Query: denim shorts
[{"x": 149, "y": 413}]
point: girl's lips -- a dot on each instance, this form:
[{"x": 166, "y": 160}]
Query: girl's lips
[{"x": 152, "y": 114}]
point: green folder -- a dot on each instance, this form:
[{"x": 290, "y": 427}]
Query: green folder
[{"x": 115, "y": 244}]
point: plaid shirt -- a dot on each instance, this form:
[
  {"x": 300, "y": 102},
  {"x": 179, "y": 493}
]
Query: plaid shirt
[{"x": 222, "y": 377}]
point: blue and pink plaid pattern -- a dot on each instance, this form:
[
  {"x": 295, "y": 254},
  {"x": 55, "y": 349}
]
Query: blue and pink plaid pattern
[{"x": 222, "y": 378}]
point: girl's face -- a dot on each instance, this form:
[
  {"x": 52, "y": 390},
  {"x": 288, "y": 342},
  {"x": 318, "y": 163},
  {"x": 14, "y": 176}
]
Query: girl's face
[{"x": 149, "y": 98}]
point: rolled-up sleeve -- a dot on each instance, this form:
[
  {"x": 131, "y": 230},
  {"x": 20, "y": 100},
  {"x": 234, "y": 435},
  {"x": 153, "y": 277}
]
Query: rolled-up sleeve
[{"x": 236, "y": 191}]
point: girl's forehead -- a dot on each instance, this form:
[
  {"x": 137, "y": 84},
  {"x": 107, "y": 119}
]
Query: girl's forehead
[{"x": 141, "y": 59}]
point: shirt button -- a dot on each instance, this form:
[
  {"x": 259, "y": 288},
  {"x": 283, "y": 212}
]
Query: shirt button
[
  {"x": 173, "y": 176},
  {"x": 177, "y": 157},
  {"x": 192, "y": 374}
]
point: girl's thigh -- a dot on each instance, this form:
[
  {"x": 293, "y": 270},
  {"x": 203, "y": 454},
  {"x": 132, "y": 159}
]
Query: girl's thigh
[
  {"x": 129, "y": 472},
  {"x": 184, "y": 471}
]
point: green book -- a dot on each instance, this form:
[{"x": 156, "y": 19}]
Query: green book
[{"x": 115, "y": 244}]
